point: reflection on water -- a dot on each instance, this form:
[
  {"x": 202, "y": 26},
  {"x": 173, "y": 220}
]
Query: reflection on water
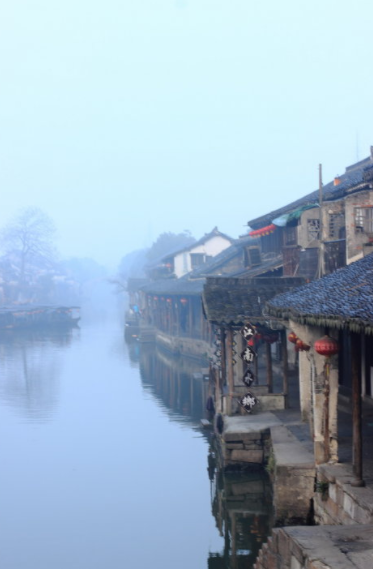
[
  {"x": 30, "y": 364},
  {"x": 241, "y": 504},
  {"x": 176, "y": 382},
  {"x": 103, "y": 451}
]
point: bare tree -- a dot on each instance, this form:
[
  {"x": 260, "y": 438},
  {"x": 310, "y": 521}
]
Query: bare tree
[{"x": 29, "y": 237}]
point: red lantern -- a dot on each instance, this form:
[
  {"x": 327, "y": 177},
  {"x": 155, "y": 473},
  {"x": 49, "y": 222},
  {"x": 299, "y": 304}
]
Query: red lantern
[
  {"x": 326, "y": 346},
  {"x": 183, "y": 300},
  {"x": 293, "y": 337},
  {"x": 169, "y": 300},
  {"x": 302, "y": 347},
  {"x": 251, "y": 342},
  {"x": 155, "y": 297}
]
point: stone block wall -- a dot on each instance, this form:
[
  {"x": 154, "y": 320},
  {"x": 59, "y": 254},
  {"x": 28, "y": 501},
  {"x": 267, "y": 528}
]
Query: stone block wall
[
  {"x": 245, "y": 449},
  {"x": 327, "y": 547},
  {"x": 339, "y": 502}
]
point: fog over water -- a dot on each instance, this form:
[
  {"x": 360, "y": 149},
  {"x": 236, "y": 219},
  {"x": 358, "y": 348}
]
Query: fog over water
[
  {"x": 124, "y": 119},
  {"x": 104, "y": 461}
]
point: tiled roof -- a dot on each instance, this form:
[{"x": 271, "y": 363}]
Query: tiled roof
[
  {"x": 236, "y": 300},
  {"x": 342, "y": 299},
  {"x": 215, "y": 232},
  {"x": 266, "y": 266},
  {"x": 222, "y": 258},
  {"x": 175, "y": 287},
  {"x": 353, "y": 176}
]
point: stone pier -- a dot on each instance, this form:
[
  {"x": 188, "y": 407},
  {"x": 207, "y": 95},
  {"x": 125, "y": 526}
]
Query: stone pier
[{"x": 263, "y": 441}]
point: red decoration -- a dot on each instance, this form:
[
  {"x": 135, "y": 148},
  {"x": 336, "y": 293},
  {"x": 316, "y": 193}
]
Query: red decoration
[
  {"x": 300, "y": 346},
  {"x": 326, "y": 346},
  {"x": 263, "y": 231},
  {"x": 169, "y": 299},
  {"x": 251, "y": 342},
  {"x": 293, "y": 337},
  {"x": 183, "y": 300},
  {"x": 155, "y": 297}
]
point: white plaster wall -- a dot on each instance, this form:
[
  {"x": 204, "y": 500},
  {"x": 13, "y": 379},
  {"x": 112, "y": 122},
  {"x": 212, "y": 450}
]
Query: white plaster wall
[
  {"x": 303, "y": 240},
  {"x": 312, "y": 388},
  {"x": 212, "y": 247}
]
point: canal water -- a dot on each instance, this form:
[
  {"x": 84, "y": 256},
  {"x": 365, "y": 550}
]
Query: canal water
[{"x": 104, "y": 463}]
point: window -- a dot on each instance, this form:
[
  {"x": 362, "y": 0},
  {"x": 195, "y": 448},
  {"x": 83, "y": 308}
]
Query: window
[
  {"x": 336, "y": 225},
  {"x": 252, "y": 256},
  {"x": 313, "y": 229},
  {"x": 197, "y": 259},
  {"x": 290, "y": 235},
  {"x": 363, "y": 219}
]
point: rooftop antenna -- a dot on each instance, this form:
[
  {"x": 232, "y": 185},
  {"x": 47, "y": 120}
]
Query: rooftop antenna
[{"x": 357, "y": 147}]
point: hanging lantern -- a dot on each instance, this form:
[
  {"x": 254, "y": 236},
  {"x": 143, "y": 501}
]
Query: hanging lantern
[
  {"x": 326, "y": 346},
  {"x": 251, "y": 342},
  {"x": 169, "y": 300},
  {"x": 184, "y": 300},
  {"x": 263, "y": 231},
  {"x": 155, "y": 297},
  {"x": 301, "y": 346},
  {"x": 293, "y": 337}
]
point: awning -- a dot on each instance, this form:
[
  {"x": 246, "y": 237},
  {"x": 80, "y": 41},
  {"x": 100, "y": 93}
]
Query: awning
[
  {"x": 288, "y": 218},
  {"x": 282, "y": 220},
  {"x": 263, "y": 231}
]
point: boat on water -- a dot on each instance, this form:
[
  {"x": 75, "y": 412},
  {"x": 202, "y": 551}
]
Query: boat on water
[{"x": 23, "y": 316}]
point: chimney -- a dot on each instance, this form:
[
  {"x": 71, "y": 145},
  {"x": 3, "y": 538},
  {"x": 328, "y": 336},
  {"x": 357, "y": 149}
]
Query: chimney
[{"x": 337, "y": 181}]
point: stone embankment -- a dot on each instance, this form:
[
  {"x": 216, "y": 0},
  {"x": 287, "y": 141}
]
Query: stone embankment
[
  {"x": 338, "y": 501},
  {"x": 318, "y": 547},
  {"x": 302, "y": 493},
  {"x": 263, "y": 441}
]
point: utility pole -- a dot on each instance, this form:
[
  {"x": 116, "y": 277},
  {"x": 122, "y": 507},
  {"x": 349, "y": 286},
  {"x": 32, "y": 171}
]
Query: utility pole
[{"x": 321, "y": 246}]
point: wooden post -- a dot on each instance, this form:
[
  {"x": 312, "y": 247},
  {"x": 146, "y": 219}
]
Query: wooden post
[
  {"x": 269, "y": 367},
  {"x": 326, "y": 412},
  {"x": 178, "y": 319},
  {"x": 223, "y": 362},
  {"x": 229, "y": 367},
  {"x": 357, "y": 442},
  {"x": 256, "y": 366},
  {"x": 190, "y": 331},
  {"x": 285, "y": 367}
]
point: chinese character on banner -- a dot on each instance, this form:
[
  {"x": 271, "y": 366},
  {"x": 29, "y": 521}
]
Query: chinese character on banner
[
  {"x": 248, "y": 378},
  {"x": 248, "y": 355},
  {"x": 247, "y": 331},
  {"x": 248, "y": 401}
]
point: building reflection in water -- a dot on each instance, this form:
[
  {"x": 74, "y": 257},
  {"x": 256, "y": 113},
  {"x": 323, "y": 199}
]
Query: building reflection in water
[
  {"x": 242, "y": 507},
  {"x": 176, "y": 382},
  {"x": 30, "y": 363},
  {"x": 241, "y": 503}
]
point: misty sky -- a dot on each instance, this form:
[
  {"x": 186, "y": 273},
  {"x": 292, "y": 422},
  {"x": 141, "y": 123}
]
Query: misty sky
[{"x": 122, "y": 119}]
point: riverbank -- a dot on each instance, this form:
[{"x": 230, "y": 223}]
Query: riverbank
[{"x": 326, "y": 495}]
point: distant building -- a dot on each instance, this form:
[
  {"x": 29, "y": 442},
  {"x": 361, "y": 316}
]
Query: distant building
[{"x": 183, "y": 261}]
